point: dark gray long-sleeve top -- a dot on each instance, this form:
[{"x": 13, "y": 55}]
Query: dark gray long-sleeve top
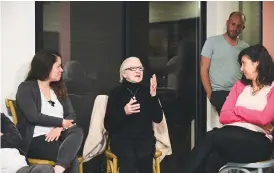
[{"x": 28, "y": 102}]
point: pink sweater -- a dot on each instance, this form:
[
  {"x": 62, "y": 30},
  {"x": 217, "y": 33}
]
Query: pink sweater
[{"x": 231, "y": 113}]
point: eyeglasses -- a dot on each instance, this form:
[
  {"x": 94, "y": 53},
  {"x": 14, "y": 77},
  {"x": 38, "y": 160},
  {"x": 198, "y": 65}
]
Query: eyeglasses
[{"x": 135, "y": 68}]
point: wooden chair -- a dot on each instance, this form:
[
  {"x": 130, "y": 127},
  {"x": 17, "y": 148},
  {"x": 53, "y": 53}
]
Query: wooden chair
[
  {"x": 112, "y": 161},
  {"x": 11, "y": 106}
]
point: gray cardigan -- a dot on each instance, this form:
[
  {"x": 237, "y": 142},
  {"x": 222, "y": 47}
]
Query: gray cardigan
[{"x": 28, "y": 102}]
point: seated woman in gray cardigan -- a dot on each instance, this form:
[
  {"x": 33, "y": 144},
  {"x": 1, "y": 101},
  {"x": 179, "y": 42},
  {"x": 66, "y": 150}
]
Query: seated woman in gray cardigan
[{"x": 46, "y": 119}]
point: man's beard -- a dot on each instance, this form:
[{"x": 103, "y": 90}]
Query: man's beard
[{"x": 232, "y": 36}]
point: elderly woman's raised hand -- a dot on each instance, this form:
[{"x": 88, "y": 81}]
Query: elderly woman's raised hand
[
  {"x": 131, "y": 107},
  {"x": 153, "y": 86}
]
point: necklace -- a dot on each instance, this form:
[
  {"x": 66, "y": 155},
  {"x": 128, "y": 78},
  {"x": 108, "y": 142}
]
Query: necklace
[
  {"x": 134, "y": 98},
  {"x": 255, "y": 91}
]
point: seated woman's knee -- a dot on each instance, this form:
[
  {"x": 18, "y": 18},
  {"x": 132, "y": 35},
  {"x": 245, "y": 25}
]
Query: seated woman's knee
[
  {"x": 77, "y": 130},
  {"x": 42, "y": 169}
]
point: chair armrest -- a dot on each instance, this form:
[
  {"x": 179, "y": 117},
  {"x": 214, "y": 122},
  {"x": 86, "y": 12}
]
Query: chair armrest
[
  {"x": 109, "y": 154},
  {"x": 157, "y": 154},
  {"x": 39, "y": 161},
  {"x": 80, "y": 159}
]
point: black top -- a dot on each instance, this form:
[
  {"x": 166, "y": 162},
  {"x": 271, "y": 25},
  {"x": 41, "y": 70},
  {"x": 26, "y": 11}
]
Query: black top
[
  {"x": 11, "y": 137},
  {"x": 28, "y": 102},
  {"x": 137, "y": 125}
]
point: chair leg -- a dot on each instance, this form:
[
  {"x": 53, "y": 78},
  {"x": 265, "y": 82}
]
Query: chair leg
[
  {"x": 108, "y": 166},
  {"x": 81, "y": 170},
  {"x": 260, "y": 170},
  {"x": 115, "y": 166},
  {"x": 157, "y": 165}
]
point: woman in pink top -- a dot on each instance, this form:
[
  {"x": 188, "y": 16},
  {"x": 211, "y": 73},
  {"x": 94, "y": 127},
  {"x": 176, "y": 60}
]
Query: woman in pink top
[{"x": 246, "y": 116}]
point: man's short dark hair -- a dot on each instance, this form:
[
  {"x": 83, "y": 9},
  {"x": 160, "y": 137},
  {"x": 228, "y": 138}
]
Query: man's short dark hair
[{"x": 237, "y": 13}]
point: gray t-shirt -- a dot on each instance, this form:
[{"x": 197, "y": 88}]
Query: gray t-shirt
[{"x": 224, "y": 68}]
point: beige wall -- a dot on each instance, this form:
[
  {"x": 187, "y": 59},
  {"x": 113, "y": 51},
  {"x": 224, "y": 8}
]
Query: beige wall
[
  {"x": 268, "y": 26},
  {"x": 17, "y": 45}
]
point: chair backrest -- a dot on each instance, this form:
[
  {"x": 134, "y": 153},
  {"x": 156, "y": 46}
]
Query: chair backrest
[
  {"x": 96, "y": 142},
  {"x": 82, "y": 105},
  {"x": 11, "y": 106}
]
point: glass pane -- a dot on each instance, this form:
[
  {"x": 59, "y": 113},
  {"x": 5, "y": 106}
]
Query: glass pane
[
  {"x": 170, "y": 24},
  {"x": 173, "y": 41},
  {"x": 252, "y": 32},
  {"x": 51, "y": 25}
]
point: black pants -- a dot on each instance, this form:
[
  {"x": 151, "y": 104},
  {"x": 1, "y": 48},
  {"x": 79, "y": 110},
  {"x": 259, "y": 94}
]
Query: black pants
[
  {"x": 227, "y": 144},
  {"x": 36, "y": 169},
  {"x": 218, "y": 99},
  {"x": 63, "y": 152},
  {"x": 134, "y": 154}
]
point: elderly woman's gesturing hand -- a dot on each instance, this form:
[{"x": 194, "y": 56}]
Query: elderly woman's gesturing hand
[
  {"x": 153, "y": 86},
  {"x": 131, "y": 108}
]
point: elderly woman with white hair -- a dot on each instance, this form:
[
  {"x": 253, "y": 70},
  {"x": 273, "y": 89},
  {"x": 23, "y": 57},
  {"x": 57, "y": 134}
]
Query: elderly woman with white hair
[{"x": 131, "y": 109}]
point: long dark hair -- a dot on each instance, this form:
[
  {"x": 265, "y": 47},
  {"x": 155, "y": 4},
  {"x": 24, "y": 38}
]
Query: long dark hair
[
  {"x": 41, "y": 66},
  {"x": 265, "y": 68}
]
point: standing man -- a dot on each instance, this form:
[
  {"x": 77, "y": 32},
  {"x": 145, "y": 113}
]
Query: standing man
[{"x": 219, "y": 66}]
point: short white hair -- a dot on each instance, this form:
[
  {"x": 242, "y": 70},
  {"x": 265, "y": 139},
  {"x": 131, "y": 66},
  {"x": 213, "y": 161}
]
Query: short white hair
[{"x": 125, "y": 64}]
